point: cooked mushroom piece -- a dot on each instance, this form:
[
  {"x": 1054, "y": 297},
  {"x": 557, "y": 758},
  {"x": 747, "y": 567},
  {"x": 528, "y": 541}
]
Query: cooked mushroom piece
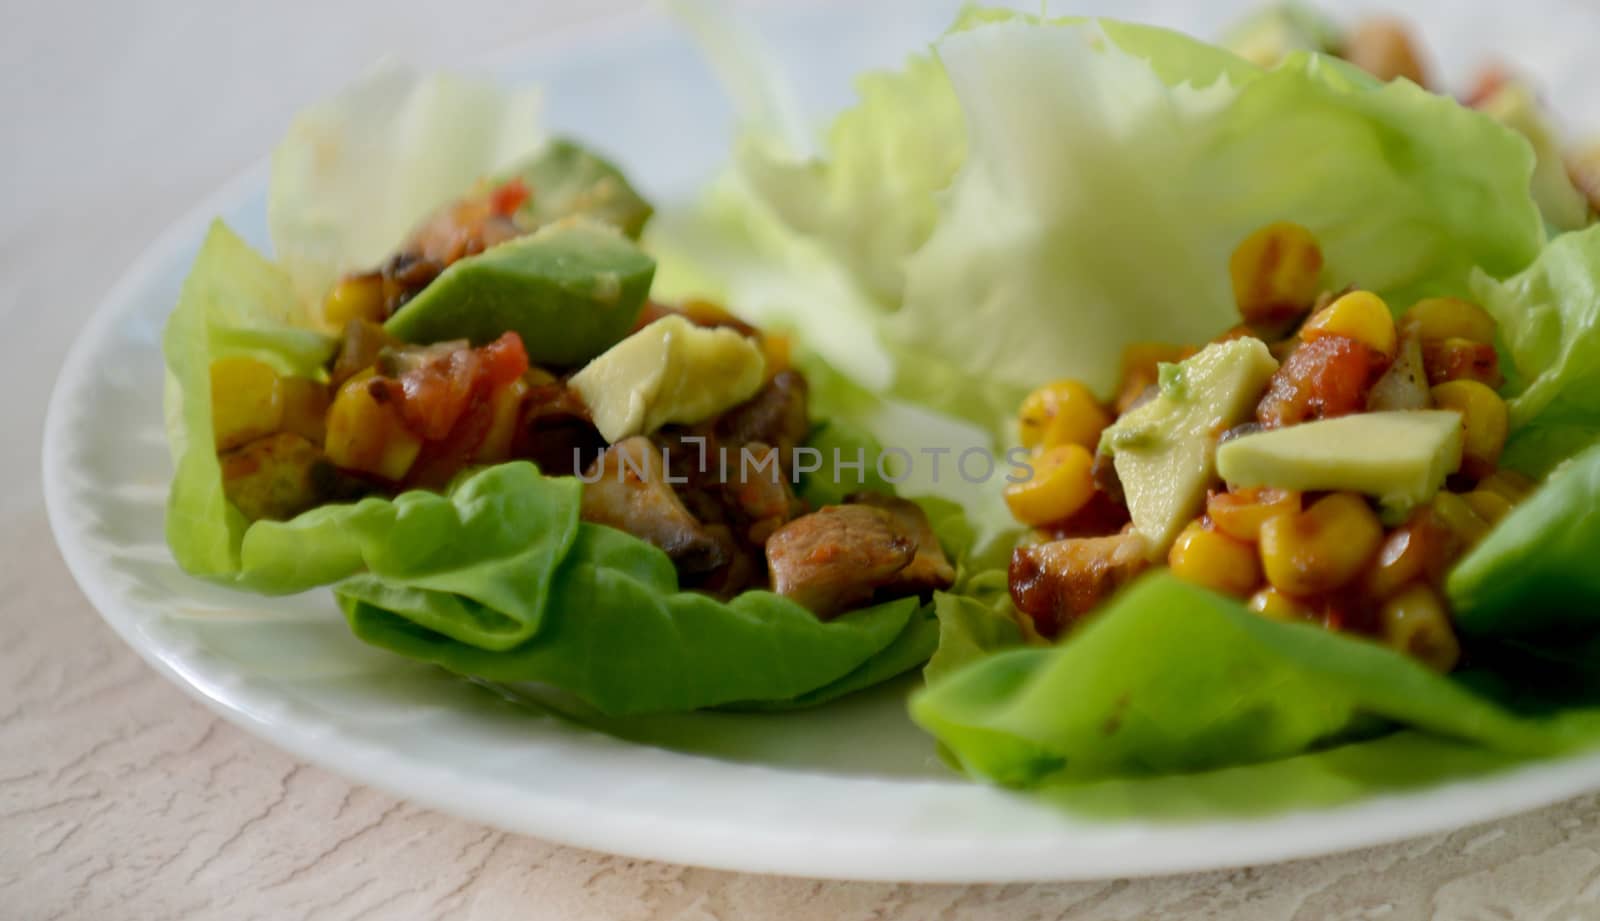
[
  {"x": 835, "y": 559},
  {"x": 930, "y": 570},
  {"x": 762, "y": 501},
  {"x": 776, "y": 415},
  {"x": 1059, "y": 581},
  {"x": 626, "y": 488}
]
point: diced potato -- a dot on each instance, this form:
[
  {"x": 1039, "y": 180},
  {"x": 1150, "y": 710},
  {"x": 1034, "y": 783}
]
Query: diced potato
[
  {"x": 246, "y": 401},
  {"x": 273, "y": 478},
  {"x": 305, "y": 408}
]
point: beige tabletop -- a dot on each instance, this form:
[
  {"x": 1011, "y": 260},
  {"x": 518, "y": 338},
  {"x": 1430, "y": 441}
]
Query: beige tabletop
[{"x": 122, "y": 798}]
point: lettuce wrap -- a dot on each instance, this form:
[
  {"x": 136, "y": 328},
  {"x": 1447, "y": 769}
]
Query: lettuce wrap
[
  {"x": 496, "y": 576},
  {"x": 1059, "y": 189}
]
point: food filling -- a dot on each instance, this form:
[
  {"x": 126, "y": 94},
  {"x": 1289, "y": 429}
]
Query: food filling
[{"x": 1323, "y": 461}]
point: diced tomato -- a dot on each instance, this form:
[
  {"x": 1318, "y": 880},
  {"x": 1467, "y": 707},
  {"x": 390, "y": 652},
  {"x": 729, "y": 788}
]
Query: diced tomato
[
  {"x": 1323, "y": 378},
  {"x": 442, "y": 459},
  {"x": 504, "y": 360},
  {"x": 508, "y": 197},
  {"x": 434, "y": 396}
]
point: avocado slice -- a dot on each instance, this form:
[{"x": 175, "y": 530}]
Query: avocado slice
[
  {"x": 670, "y": 371},
  {"x": 1401, "y": 457},
  {"x": 570, "y": 290},
  {"x": 567, "y": 180},
  {"x": 1164, "y": 451}
]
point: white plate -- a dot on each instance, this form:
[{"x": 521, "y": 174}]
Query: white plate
[{"x": 849, "y": 791}]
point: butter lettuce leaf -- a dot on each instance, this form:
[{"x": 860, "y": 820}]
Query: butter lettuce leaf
[
  {"x": 1113, "y": 168},
  {"x": 619, "y": 635},
  {"x": 1170, "y": 679},
  {"x": 357, "y": 171},
  {"x": 1549, "y": 318}
]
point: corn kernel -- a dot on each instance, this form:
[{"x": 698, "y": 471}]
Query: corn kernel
[
  {"x": 1214, "y": 560},
  {"x": 1321, "y": 548},
  {"x": 1509, "y": 484},
  {"x": 505, "y": 411},
  {"x": 359, "y": 297},
  {"x": 1359, "y": 315},
  {"x": 1484, "y": 420},
  {"x": 1275, "y": 272},
  {"x": 1418, "y": 551},
  {"x": 1061, "y": 485},
  {"x": 366, "y": 435},
  {"x": 1490, "y": 506},
  {"x": 1415, "y": 622},
  {"x": 246, "y": 401},
  {"x": 1061, "y": 412},
  {"x": 1449, "y": 318},
  {"x": 1240, "y": 513},
  {"x": 1460, "y": 518},
  {"x": 1275, "y": 605},
  {"x": 708, "y": 313}
]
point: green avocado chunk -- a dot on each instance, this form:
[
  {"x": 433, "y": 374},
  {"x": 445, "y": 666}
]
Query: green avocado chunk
[
  {"x": 570, "y": 290},
  {"x": 565, "y": 180},
  {"x": 1164, "y": 451},
  {"x": 1401, "y": 458}
]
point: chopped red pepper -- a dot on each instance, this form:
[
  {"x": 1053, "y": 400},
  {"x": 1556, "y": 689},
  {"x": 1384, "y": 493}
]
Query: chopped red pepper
[{"x": 508, "y": 197}]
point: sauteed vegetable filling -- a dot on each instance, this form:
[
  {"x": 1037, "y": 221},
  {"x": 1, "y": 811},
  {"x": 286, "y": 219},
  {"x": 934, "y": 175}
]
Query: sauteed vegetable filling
[{"x": 1323, "y": 461}]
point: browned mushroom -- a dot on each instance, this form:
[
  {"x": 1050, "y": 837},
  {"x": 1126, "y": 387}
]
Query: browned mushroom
[
  {"x": 835, "y": 559},
  {"x": 1059, "y": 581},
  {"x": 930, "y": 570},
  {"x": 626, "y": 488}
]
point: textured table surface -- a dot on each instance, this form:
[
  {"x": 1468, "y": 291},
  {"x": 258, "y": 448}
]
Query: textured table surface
[{"x": 121, "y": 798}]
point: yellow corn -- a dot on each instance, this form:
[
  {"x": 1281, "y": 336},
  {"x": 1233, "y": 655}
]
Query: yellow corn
[
  {"x": 1359, "y": 315},
  {"x": 505, "y": 411},
  {"x": 1241, "y": 513},
  {"x": 1214, "y": 560},
  {"x": 246, "y": 401},
  {"x": 1061, "y": 412},
  {"x": 1449, "y": 318},
  {"x": 1275, "y": 605},
  {"x": 1321, "y": 548},
  {"x": 1460, "y": 518},
  {"x": 1275, "y": 272},
  {"x": 1415, "y": 622},
  {"x": 1490, "y": 506},
  {"x": 368, "y": 436},
  {"x": 1509, "y": 484},
  {"x": 359, "y": 297},
  {"x": 1484, "y": 420},
  {"x": 1061, "y": 485}
]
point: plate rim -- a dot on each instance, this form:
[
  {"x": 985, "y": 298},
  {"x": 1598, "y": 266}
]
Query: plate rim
[{"x": 1162, "y": 848}]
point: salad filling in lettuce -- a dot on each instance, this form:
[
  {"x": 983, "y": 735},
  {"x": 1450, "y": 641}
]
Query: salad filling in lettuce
[
  {"x": 500, "y": 452},
  {"x": 1298, "y": 379}
]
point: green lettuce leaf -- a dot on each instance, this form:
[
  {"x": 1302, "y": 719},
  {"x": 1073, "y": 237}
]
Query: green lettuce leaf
[
  {"x": 870, "y": 199},
  {"x": 1535, "y": 571},
  {"x": 234, "y": 302},
  {"x": 356, "y": 172},
  {"x": 619, "y": 635},
  {"x": 1171, "y": 678},
  {"x": 1549, "y": 316},
  {"x": 973, "y": 626},
  {"x": 1113, "y": 169}
]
